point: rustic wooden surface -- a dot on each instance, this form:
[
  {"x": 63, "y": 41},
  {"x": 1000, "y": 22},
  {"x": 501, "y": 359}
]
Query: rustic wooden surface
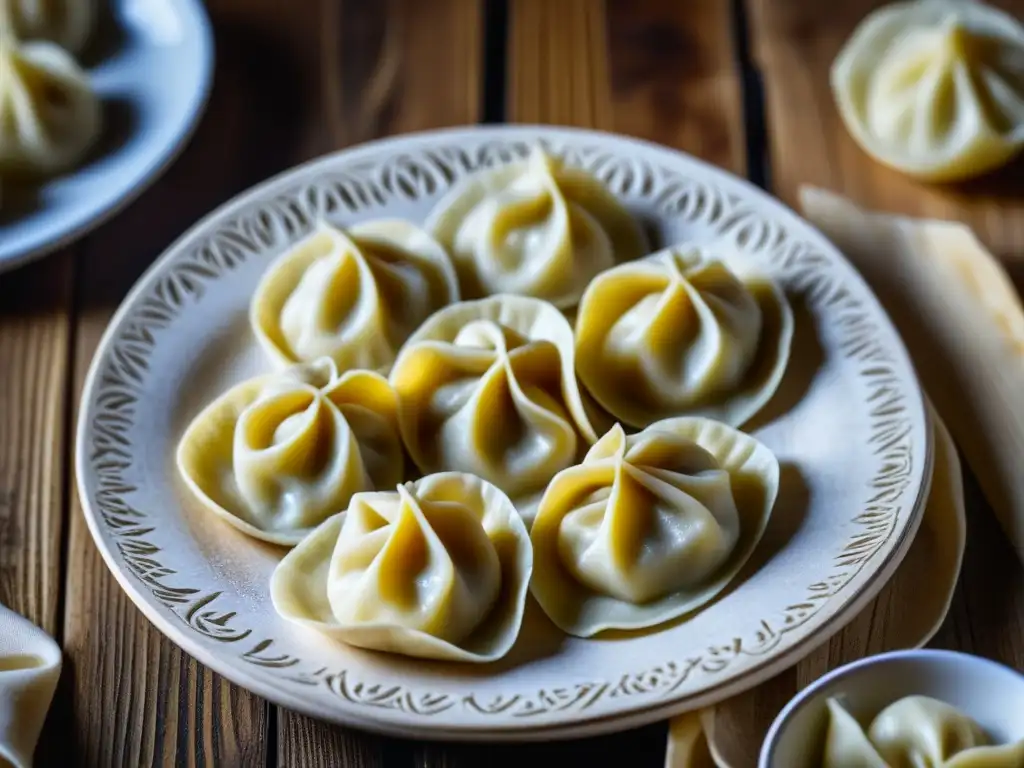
[{"x": 741, "y": 84}]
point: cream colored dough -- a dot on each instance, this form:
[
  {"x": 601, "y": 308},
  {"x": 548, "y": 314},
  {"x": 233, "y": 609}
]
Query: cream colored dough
[
  {"x": 30, "y": 664},
  {"x": 278, "y": 454},
  {"x": 934, "y": 88},
  {"x": 488, "y": 387},
  {"x": 535, "y": 227},
  {"x": 438, "y": 570},
  {"x": 650, "y": 526},
  {"x": 913, "y": 731},
  {"x": 68, "y": 23},
  {"x": 49, "y": 115},
  {"x": 686, "y": 330},
  {"x": 352, "y": 295}
]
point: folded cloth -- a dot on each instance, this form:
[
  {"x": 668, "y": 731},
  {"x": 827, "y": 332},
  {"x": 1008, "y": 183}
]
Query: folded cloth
[{"x": 30, "y": 662}]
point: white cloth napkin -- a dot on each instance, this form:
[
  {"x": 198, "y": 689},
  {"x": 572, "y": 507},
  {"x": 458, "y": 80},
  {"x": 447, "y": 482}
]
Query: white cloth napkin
[{"x": 30, "y": 662}]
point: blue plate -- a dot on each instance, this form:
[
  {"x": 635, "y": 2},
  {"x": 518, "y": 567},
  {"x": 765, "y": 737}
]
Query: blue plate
[{"x": 151, "y": 62}]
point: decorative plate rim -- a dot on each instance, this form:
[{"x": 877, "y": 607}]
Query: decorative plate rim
[{"x": 393, "y": 714}]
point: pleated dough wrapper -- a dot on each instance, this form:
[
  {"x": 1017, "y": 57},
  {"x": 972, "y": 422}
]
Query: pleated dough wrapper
[
  {"x": 685, "y": 330},
  {"x": 650, "y": 526},
  {"x": 489, "y": 387},
  {"x": 68, "y": 23},
  {"x": 934, "y": 88},
  {"x": 913, "y": 731},
  {"x": 536, "y": 228},
  {"x": 437, "y": 570},
  {"x": 49, "y": 116},
  {"x": 278, "y": 454},
  {"x": 354, "y": 296},
  {"x": 30, "y": 665}
]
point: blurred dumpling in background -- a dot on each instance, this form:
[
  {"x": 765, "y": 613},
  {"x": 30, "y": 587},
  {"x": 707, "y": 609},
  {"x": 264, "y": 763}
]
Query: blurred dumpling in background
[
  {"x": 934, "y": 88},
  {"x": 534, "y": 227},
  {"x": 686, "y": 330},
  {"x": 68, "y": 23},
  {"x": 438, "y": 570},
  {"x": 352, "y": 295},
  {"x": 49, "y": 115},
  {"x": 650, "y": 526},
  {"x": 914, "y": 731},
  {"x": 488, "y": 387},
  {"x": 277, "y": 454}
]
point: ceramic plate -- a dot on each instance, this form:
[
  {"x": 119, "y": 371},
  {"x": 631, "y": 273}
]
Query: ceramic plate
[
  {"x": 151, "y": 62},
  {"x": 848, "y": 426}
]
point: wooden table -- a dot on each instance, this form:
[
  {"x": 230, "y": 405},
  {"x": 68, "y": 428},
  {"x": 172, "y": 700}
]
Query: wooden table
[{"x": 741, "y": 84}]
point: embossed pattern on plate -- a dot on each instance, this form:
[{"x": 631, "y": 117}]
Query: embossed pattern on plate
[{"x": 848, "y": 425}]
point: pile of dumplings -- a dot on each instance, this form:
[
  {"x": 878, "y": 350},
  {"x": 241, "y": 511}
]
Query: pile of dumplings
[
  {"x": 913, "y": 731},
  {"x": 50, "y": 117},
  {"x": 516, "y": 398}
]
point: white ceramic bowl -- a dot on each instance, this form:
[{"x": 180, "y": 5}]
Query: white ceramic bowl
[{"x": 990, "y": 693}]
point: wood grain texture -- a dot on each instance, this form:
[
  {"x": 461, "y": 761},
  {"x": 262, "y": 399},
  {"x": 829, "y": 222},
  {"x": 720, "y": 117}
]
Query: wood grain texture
[
  {"x": 655, "y": 69},
  {"x": 793, "y": 46},
  {"x": 35, "y": 309},
  {"x": 674, "y": 78},
  {"x": 35, "y": 342}
]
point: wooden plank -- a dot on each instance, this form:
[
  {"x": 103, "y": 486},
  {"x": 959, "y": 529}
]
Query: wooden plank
[
  {"x": 35, "y": 323},
  {"x": 656, "y": 69},
  {"x": 674, "y": 78},
  {"x": 35, "y": 306},
  {"x": 794, "y": 44}
]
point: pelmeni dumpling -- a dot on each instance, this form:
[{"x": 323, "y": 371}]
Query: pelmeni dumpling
[
  {"x": 49, "y": 115},
  {"x": 488, "y": 387},
  {"x": 534, "y": 228},
  {"x": 438, "y": 569},
  {"x": 914, "y": 731},
  {"x": 278, "y": 454},
  {"x": 651, "y": 525},
  {"x": 353, "y": 296},
  {"x": 685, "y": 330},
  {"x": 934, "y": 88},
  {"x": 68, "y": 23}
]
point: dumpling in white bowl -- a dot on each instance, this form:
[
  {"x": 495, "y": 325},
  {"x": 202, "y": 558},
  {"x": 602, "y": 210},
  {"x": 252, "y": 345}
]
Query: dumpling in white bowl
[
  {"x": 650, "y": 526},
  {"x": 278, "y": 454},
  {"x": 685, "y": 330},
  {"x": 934, "y": 88},
  {"x": 534, "y": 228},
  {"x": 914, "y": 731},
  {"x": 437, "y": 569},
  {"x": 352, "y": 295},
  {"x": 68, "y": 23},
  {"x": 488, "y": 387},
  {"x": 49, "y": 115}
]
